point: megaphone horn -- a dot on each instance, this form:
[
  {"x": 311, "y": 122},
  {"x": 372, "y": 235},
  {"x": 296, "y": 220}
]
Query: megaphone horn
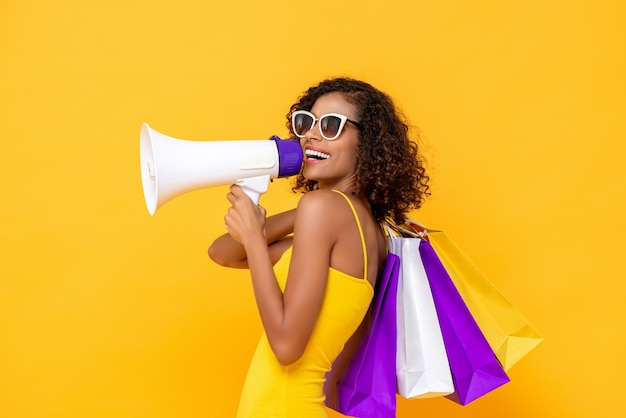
[{"x": 171, "y": 166}]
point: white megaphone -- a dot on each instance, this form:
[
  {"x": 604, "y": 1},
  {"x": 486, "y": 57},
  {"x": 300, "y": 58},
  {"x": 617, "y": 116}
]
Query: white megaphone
[{"x": 171, "y": 167}]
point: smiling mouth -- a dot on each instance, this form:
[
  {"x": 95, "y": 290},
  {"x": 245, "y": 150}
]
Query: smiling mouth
[{"x": 316, "y": 155}]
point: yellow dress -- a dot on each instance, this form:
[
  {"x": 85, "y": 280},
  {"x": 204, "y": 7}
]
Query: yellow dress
[{"x": 274, "y": 390}]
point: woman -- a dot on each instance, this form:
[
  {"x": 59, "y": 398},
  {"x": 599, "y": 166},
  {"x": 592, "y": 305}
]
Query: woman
[{"x": 314, "y": 268}]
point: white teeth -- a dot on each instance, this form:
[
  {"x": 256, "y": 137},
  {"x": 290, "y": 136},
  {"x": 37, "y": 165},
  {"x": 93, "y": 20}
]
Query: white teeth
[{"x": 316, "y": 154}]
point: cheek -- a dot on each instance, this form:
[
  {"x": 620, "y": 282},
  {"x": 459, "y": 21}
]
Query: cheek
[
  {"x": 354, "y": 150},
  {"x": 351, "y": 158}
]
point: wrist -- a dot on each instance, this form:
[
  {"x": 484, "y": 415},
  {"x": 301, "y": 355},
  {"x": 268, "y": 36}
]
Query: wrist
[{"x": 254, "y": 241}]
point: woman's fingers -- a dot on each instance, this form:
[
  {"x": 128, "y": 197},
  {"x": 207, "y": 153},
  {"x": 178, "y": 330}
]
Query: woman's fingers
[{"x": 244, "y": 217}]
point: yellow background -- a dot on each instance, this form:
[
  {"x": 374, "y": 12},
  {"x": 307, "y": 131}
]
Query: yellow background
[{"x": 106, "y": 311}]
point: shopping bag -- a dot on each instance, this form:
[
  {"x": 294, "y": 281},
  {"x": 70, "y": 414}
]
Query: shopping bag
[
  {"x": 367, "y": 386},
  {"x": 509, "y": 334},
  {"x": 474, "y": 366},
  {"x": 422, "y": 368}
]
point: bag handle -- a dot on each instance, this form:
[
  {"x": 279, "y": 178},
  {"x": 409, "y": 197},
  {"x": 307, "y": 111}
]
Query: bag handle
[
  {"x": 388, "y": 229},
  {"x": 417, "y": 230}
]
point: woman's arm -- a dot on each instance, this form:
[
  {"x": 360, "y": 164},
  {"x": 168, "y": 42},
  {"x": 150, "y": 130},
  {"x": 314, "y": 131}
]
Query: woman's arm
[
  {"x": 289, "y": 318},
  {"x": 228, "y": 252}
]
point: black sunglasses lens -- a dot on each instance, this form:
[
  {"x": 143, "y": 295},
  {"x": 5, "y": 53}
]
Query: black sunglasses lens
[
  {"x": 302, "y": 123},
  {"x": 329, "y": 126}
]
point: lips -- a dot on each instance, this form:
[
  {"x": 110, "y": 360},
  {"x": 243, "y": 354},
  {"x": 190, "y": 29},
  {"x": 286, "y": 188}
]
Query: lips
[{"x": 313, "y": 154}]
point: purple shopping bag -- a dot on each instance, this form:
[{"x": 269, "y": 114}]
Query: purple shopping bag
[
  {"x": 366, "y": 387},
  {"x": 474, "y": 366}
]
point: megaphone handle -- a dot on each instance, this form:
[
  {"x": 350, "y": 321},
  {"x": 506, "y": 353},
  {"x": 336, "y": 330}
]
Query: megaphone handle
[{"x": 254, "y": 187}]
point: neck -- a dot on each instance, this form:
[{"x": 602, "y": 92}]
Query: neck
[{"x": 345, "y": 185}]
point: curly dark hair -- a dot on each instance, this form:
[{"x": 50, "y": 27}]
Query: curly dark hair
[{"x": 389, "y": 169}]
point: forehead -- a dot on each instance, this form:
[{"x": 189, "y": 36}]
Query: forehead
[{"x": 334, "y": 102}]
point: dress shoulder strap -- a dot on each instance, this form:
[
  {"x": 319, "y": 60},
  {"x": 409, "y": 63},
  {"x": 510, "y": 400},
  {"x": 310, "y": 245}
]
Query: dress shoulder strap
[{"x": 358, "y": 224}]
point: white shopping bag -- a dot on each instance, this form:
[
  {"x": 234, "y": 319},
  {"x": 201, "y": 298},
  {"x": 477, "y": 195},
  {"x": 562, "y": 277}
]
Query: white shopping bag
[{"x": 422, "y": 368}]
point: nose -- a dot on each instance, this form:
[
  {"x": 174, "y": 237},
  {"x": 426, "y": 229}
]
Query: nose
[{"x": 314, "y": 133}]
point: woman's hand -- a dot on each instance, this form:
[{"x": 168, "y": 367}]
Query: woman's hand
[
  {"x": 228, "y": 252},
  {"x": 244, "y": 220}
]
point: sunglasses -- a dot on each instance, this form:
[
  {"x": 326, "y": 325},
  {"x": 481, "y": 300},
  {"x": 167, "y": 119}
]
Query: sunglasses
[{"x": 331, "y": 124}]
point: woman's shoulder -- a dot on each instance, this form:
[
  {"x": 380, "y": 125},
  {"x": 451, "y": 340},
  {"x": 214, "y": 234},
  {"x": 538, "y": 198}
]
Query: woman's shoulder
[
  {"x": 316, "y": 199},
  {"x": 323, "y": 204}
]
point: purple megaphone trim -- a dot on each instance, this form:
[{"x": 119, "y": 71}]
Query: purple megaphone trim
[{"x": 289, "y": 156}]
